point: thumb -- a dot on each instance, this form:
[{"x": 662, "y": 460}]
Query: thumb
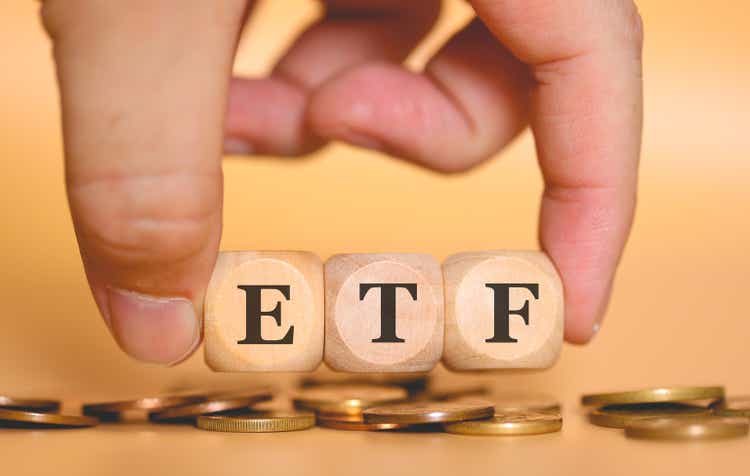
[{"x": 143, "y": 86}]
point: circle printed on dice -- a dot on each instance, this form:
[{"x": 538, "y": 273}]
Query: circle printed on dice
[
  {"x": 295, "y": 312},
  {"x": 358, "y": 321},
  {"x": 475, "y": 308}
]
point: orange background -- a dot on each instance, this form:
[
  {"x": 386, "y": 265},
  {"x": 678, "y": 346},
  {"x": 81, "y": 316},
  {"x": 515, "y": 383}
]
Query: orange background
[{"x": 677, "y": 316}]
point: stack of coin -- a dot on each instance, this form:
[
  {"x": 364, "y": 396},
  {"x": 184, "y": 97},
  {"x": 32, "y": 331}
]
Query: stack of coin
[
  {"x": 218, "y": 404},
  {"x": 217, "y": 411},
  {"x": 669, "y": 413},
  {"x": 341, "y": 406},
  {"x": 38, "y": 413},
  {"x": 467, "y": 409}
]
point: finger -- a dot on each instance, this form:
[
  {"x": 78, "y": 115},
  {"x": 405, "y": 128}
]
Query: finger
[
  {"x": 143, "y": 88},
  {"x": 470, "y": 102},
  {"x": 585, "y": 57},
  {"x": 267, "y": 115}
]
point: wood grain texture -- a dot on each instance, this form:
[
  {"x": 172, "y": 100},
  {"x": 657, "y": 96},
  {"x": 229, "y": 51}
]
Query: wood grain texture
[
  {"x": 470, "y": 308},
  {"x": 225, "y": 312},
  {"x": 353, "y": 323}
]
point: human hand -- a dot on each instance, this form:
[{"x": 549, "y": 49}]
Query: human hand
[{"x": 147, "y": 105}]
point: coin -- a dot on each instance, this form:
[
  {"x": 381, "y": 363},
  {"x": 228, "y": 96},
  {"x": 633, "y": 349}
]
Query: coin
[
  {"x": 654, "y": 395},
  {"x": 259, "y": 422},
  {"x": 118, "y": 409},
  {"x": 511, "y": 423},
  {"x": 732, "y": 406},
  {"x": 213, "y": 405},
  {"x": 618, "y": 416},
  {"x": 455, "y": 392},
  {"x": 429, "y": 412},
  {"x": 521, "y": 402},
  {"x": 44, "y": 420},
  {"x": 354, "y": 423},
  {"x": 687, "y": 428},
  {"x": 29, "y": 404},
  {"x": 388, "y": 379},
  {"x": 347, "y": 399}
]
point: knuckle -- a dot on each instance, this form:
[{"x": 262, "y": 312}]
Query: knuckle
[{"x": 146, "y": 220}]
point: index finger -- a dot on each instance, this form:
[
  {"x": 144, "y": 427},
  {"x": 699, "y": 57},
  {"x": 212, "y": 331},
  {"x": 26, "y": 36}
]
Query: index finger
[{"x": 587, "y": 102}]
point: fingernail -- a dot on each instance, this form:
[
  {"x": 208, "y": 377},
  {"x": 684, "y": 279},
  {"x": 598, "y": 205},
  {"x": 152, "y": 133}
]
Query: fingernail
[
  {"x": 153, "y": 329},
  {"x": 235, "y": 146},
  {"x": 595, "y": 329}
]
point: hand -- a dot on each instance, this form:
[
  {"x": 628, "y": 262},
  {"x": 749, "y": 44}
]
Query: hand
[{"x": 146, "y": 94}]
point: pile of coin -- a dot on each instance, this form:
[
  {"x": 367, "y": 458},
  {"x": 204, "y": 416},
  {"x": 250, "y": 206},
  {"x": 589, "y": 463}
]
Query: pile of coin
[
  {"x": 671, "y": 413},
  {"x": 469, "y": 410},
  {"x": 374, "y": 403}
]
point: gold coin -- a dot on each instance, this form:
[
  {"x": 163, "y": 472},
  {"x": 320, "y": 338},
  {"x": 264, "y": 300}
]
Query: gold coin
[
  {"x": 732, "y": 406},
  {"x": 260, "y": 422},
  {"x": 618, "y": 416},
  {"x": 654, "y": 395},
  {"x": 353, "y": 423},
  {"x": 29, "y": 404},
  {"x": 687, "y": 428},
  {"x": 213, "y": 405},
  {"x": 520, "y": 402},
  {"x": 44, "y": 420},
  {"x": 117, "y": 410},
  {"x": 347, "y": 399},
  {"x": 512, "y": 423},
  {"x": 429, "y": 412}
]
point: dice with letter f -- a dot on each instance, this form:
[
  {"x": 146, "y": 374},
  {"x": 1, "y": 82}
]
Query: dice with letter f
[
  {"x": 384, "y": 312},
  {"x": 503, "y": 310},
  {"x": 264, "y": 312}
]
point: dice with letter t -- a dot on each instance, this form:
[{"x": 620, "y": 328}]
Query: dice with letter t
[
  {"x": 384, "y": 312},
  {"x": 264, "y": 312},
  {"x": 503, "y": 310}
]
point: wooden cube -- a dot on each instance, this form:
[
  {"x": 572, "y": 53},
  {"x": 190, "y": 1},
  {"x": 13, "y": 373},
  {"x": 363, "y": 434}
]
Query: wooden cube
[
  {"x": 503, "y": 310},
  {"x": 264, "y": 312},
  {"x": 384, "y": 312}
]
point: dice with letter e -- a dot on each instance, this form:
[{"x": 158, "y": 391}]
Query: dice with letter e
[
  {"x": 384, "y": 312},
  {"x": 503, "y": 310},
  {"x": 264, "y": 312}
]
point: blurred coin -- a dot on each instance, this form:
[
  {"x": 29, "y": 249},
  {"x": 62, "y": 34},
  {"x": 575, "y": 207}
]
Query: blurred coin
[
  {"x": 520, "y": 402},
  {"x": 732, "y": 406},
  {"x": 213, "y": 405},
  {"x": 453, "y": 392},
  {"x": 353, "y": 423},
  {"x": 512, "y": 423},
  {"x": 347, "y": 399},
  {"x": 116, "y": 410},
  {"x": 429, "y": 412},
  {"x": 618, "y": 416},
  {"x": 654, "y": 395},
  {"x": 687, "y": 428},
  {"x": 23, "y": 419},
  {"x": 257, "y": 422},
  {"x": 412, "y": 382},
  {"x": 29, "y": 404}
]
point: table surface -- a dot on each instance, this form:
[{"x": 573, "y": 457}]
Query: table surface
[{"x": 677, "y": 315}]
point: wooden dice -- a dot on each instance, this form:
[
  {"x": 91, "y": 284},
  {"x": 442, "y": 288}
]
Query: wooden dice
[
  {"x": 273, "y": 311},
  {"x": 264, "y": 312},
  {"x": 504, "y": 310},
  {"x": 384, "y": 312}
]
